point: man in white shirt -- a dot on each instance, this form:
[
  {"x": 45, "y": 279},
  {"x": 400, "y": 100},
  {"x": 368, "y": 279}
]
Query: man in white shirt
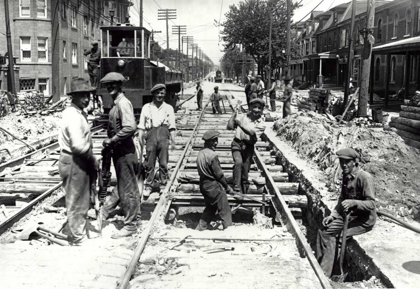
[
  {"x": 156, "y": 127},
  {"x": 260, "y": 86},
  {"x": 77, "y": 165}
]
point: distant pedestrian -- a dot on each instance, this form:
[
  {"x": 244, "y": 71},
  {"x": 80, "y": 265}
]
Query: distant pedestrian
[
  {"x": 215, "y": 100},
  {"x": 272, "y": 93},
  {"x": 260, "y": 86},
  {"x": 213, "y": 184},
  {"x": 287, "y": 97},
  {"x": 93, "y": 63},
  {"x": 248, "y": 89},
  {"x": 77, "y": 164},
  {"x": 199, "y": 93}
]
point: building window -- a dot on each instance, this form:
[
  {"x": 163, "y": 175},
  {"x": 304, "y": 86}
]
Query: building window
[
  {"x": 395, "y": 25},
  {"x": 25, "y": 49},
  {"x": 74, "y": 17},
  {"x": 313, "y": 46},
  {"x": 27, "y": 84},
  {"x": 85, "y": 26},
  {"x": 42, "y": 49},
  {"x": 74, "y": 54},
  {"x": 63, "y": 11},
  {"x": 408, "y": 22},
  {"x": 65, "y": 86},
  {"x": 41, "y": 8},
  {"x": 307, "y": 48},
  {"x": 92, "y": 27},
  {"x": 343, "y": 38},
  {"x": 377, "y": 68},
  {"x": 64, "y": 50},
  {"x": 414, "y": 59},
  {"x": 356, "y": 35},
  {"x": 24, "y": 8},
  {"x": 393, "y": 68},
  {"x": 43, "y": 85},
  {"x": 379, "y": 36}
]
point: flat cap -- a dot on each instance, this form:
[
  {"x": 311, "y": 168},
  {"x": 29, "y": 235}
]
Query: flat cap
[
  {"x": 210, "y": 134},
  {"x": 417, "y": 92},
  {"x": 258, "y": 76},
  {"x": 257, "y": 100},
  {"x": 157, "y": 87},
  {"x": 216, "y": 87},
  {"x": 113, "y": 77},
  {"x": 347, "y": 154},
  {"x": 94, "y": 43}
]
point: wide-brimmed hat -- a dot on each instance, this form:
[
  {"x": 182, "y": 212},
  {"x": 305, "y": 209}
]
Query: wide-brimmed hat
[
  {"x": 113, "y": 77},
  {"x": 80, "y": 85}
]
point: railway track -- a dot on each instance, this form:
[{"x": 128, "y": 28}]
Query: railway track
[{"x": 167, "y": 252}]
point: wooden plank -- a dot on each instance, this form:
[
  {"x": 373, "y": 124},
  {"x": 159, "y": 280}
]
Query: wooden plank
[{"x": 410, "y": 115}]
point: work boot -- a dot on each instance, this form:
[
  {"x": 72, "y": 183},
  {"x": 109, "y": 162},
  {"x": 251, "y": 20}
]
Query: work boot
[
  {"x": 202, "y": 226},
  {"x": 123, "y": 233}
]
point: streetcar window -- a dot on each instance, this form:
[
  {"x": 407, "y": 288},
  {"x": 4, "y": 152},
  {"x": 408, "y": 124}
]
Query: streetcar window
[
  {"x": 129, "y": 43},
  {"x": 121, "y": 43}
]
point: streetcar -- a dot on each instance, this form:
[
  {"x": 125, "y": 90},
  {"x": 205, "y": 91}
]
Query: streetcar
[
  {"x": 218, "y": 78},
  {"x": 126, "y": 49}
]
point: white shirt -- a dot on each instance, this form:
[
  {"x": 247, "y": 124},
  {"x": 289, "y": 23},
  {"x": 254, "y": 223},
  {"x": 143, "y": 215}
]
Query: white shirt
[
  {"x": 153, "y": 116},
  {"x": 74, "y": 135},
  {"x": 261, "y": 85}
]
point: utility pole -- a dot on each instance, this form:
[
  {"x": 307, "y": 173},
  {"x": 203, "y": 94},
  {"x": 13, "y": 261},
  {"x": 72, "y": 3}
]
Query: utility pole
[
  {"x": 187, "y": 40},
  {"x": 179, "y": 29},
  {"x": 288, "y": 37},
  {"x": 167, "y": 14},
  {"x": 350, "y": 54},
  {"x": 192, "y": 61},
  {"x": 368, "y": 41},
  {"x": 11, "y": 85},
  {"x": 153, "y": 39},
  {"x": 269, "y": 48},
  {"x": 141, "y": 12},
  {"x": 196, "y": 61}
]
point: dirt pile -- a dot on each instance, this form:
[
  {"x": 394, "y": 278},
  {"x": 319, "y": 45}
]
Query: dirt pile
[{"x": 393, "y": 165}]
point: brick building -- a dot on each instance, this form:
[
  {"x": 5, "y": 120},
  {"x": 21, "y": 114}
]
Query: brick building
[{"x": 50, "y": 36}]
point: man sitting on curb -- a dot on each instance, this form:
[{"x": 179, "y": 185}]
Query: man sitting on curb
[{"x": 357, "y": 200}]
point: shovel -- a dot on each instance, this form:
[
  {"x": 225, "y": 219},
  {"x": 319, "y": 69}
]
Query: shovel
[
  {"x": 340, "y": 278},
  {"x": 33, "y": 229}
]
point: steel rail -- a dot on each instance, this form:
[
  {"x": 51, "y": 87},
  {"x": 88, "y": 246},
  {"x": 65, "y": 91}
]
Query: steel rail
[
  {"x": 159, "y": 210},
  {"x": 294, "y": 225}
]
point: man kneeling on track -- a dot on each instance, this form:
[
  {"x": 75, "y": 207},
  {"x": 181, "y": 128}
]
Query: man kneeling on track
[
  {"x": 156, "y": 127},
  {"x": 77, "y": 164},
  {"x": 357, "y": 201},
  {"x": 249, "y": 127},
  {"x": 213, "y": 184}
]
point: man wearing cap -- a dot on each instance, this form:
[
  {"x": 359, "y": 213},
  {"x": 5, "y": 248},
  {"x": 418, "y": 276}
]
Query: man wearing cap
[
  {"x": 77, "y": 164},
  {"x": 157, "y": 127},
  {"x": 215, "y": 100},
  {"x": 260, "y": 86},
  {"x": 249, "y": 128},
  {"x": 288, "y": 93},
  {"x": 199, "y": 96},
  {"x": 357, "y": 200},
  {"x": 213, "y": 184},
  {"x": 272, "y": 92},
  {"x": 121, "y": 129}
]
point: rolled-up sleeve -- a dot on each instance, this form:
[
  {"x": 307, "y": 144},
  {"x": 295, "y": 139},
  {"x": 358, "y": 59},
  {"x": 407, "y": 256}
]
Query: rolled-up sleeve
[
  {"x": 128, "y": 122},
  {"x": 142, "y": 121},
  {"x": 171, "y": 119}
]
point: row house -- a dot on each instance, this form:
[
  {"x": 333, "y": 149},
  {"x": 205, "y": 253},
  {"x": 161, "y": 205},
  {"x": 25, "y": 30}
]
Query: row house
[
  {"x": 50, "y": 36},
  {"x": 395, "y": 59}
]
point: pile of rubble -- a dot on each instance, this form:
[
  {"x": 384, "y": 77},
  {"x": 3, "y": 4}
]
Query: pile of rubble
[{"x": 391, "y": 162}]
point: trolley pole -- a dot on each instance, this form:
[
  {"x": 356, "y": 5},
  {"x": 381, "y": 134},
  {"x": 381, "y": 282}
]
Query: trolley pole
[{"x": 11, "y": 79}]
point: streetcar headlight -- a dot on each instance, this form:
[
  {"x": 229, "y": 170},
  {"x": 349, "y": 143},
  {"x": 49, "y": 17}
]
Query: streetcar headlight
[{"x": 121, "y": 63}]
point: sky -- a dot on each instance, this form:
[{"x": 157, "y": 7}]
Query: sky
[{"x": 200, "y": 15}]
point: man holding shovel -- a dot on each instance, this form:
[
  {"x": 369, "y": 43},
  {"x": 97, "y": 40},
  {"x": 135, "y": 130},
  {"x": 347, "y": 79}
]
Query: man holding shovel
[
  {"x": 356, "y": 204},
  {"x": 77, "y": 164}
]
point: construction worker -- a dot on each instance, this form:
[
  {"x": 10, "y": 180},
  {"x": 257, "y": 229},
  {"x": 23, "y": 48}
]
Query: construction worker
[
  {"x": 213, "y": 184},
  {"x": 215, "y": 100},
  {"x": 156, "y": 127},
  {"x": 199, "y": 96},
  {"x": 357, "y": 199},
  {"x": 248, "y": 89},
  {"x": 260, "y": 86},
  {"x": 121, "y": 129},
  {"x": 77, "y": 165},
  {"x": 93, "y": 63},
  {"x": 249, "y": 127},
  {"x": 288, "y": 93}
]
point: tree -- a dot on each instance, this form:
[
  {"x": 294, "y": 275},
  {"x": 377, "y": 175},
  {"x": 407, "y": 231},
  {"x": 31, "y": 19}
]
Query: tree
[
  {"x": 248, "y": 23},
  {"x": 232, "y": 63}
]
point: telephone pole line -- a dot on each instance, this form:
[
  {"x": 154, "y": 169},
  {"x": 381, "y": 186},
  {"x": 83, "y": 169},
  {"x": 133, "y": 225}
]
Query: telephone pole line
[
  {"x": 350, "y": 55},
  {"x": 179, "y": 29},
  {"x": 288, "y": 38},
  {"x": 167, "y": 14},
  {"x": 11, "y": 79},
  {"x": 366, "y": 59},
  {"x": 153, "y": 40},
  {"x": 187, "y": 40}
]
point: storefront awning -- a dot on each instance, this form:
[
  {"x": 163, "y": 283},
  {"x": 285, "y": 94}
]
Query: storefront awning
[
  {"x": 323, "y": 55},
  {"x": 399, "y": 47}
]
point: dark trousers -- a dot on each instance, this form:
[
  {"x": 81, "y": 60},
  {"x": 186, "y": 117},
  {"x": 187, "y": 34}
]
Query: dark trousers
[
  {"x": 247, "y": 98},
  {"x": 286, "y": 109},
  {"x": 93, "y": 71},
  {"x": 215, "y": 199},
  {"x": 126, "y": 167},
  {"x": 216, "y": 107},
  {"x": 200, "y": 101},
  {"x": 273, "y": 100},
  {"x": 242, "y": 156},
  {"x": 157, "y": 147},
  {"x": 326, "y": 243},
  {"x": 76, "y": 175}
]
